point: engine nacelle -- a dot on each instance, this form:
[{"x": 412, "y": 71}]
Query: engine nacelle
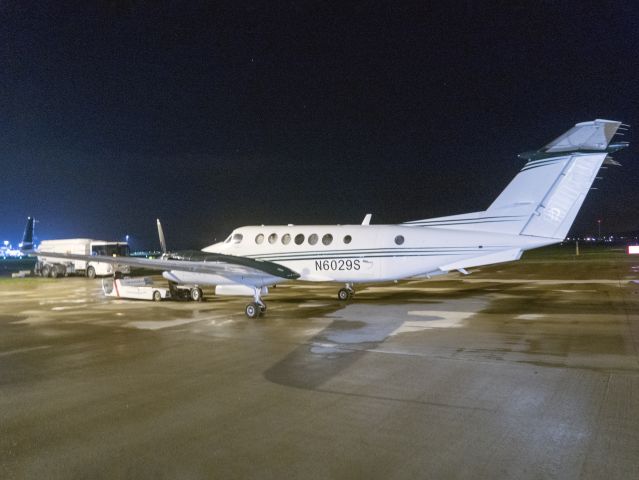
[{"x": 238, "y": 289}]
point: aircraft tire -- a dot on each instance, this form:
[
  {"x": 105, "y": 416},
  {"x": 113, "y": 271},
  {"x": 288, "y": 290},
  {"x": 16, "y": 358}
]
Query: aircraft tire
[
  {"x": 157, "y": 296},
  {"x": 54, "y": 272},
  {"x": 344, "y": 294},
  {"x": 252, "y": 310},
  {"x": 46, "y": 270}
]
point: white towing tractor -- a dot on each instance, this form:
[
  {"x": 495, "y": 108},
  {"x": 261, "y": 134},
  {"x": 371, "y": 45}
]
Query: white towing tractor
[
  {"x": 143, "y": 288},
  {"x": 139, "y": 288},
  {"x": 57, "y": 267}
]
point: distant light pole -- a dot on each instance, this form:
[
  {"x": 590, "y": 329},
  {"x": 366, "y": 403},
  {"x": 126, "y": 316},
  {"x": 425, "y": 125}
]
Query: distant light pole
[{"x": 599, "y": 226}]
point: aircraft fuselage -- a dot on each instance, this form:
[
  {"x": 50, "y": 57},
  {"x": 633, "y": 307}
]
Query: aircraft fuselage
[{"x": 369, "y": 253}]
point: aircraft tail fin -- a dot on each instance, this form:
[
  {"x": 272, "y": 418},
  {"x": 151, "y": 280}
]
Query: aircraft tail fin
[
  {"x": 27, "y": 237},
  {"x": 545, "y": 196}
]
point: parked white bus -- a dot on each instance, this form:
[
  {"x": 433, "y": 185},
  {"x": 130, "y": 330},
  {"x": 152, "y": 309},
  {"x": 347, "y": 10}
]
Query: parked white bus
[{"x": 56, "y": 267}]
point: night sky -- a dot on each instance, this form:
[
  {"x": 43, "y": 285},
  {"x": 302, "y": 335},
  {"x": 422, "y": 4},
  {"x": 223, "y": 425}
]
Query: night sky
[{"x": 115, "y": 113}]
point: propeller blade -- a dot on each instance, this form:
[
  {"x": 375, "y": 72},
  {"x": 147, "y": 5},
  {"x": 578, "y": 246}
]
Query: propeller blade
[{"x": 161, "y": 235}]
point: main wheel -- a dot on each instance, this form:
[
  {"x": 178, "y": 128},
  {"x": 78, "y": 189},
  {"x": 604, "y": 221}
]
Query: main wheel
[
  {"x": 344, "y": 294},
  {"x": 252, "y": 310},
  {"x": 262, "y": 309},
  {"x": 91, "y": 272},
  {"x": 157, "y": 296},
  {"x": 54, "y": 272},
  {"x": 196, "y": 294}
]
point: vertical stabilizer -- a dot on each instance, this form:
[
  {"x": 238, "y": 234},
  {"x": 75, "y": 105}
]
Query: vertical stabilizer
[
  {"x": 27, "y": 237},
  {"x": 545, "y": 196}
]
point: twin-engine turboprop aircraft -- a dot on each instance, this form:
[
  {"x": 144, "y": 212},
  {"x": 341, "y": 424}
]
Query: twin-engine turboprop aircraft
[{"x": 536, "y": 209}]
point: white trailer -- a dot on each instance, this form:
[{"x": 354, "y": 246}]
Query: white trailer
[{"x": 55, "y": 267}]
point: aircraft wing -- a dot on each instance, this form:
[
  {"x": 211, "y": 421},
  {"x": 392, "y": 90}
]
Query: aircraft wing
[{"x": 212, "y": 263}]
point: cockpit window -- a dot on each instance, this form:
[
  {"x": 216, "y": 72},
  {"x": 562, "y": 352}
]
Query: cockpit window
[{"x": 237, "y": 237}]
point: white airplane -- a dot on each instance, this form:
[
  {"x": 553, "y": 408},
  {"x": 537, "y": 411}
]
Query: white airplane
[{"x": 536, "y": 209}]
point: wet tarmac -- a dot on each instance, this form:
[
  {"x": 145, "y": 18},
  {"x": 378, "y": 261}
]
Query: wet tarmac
[{"x": 523, "y": 370}]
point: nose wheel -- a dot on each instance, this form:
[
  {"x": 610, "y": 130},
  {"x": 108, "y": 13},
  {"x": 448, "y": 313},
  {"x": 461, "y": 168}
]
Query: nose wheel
[{"x": 346, "y": 293}]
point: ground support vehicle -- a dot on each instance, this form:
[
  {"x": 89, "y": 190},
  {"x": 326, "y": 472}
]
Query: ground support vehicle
[
  {"x": 56, "y": 267},
  {"x": 139, "y": 288}
]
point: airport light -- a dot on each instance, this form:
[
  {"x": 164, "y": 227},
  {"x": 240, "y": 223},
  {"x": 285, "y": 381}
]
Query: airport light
[{"x": 599, "y": 226}]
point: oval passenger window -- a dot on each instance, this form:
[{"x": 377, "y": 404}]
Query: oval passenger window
[
  {"x": 312, "y": 239},
  {"x": 347, "y": 239},
  {"x": 299, "y": 238},
  {"x": 399, "y": 239},
  {"x": 272, "y": 238},
  {"x": 259, "y": 239},
  {"x": 286, "y": 239},
  {"x": 327, "y": 239}
]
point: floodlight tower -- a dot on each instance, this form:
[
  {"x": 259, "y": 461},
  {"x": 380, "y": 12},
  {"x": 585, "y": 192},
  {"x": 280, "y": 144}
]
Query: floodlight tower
[{"x": 599, "y": 227}]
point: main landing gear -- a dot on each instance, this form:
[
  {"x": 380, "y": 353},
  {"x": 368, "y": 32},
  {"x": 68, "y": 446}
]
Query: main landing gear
[
  {"x": 346, "y": 293},
  {"x": 257, "y": 307}
]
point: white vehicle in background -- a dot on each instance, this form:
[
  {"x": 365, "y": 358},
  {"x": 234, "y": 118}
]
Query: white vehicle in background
[
  {"x": 56, "y": 267},
  {"x": 140, "y": 288}
]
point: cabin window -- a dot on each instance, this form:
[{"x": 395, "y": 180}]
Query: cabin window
[
  {"x": 327, "y": 239},
  {"x": 347, "y": 239},
  {"x": 260, "y": 238},
  {"x": 312, "y": 239},
  {"x": 272, "y": 238},
  {"x": 286, "y": 238},
  {"x": 399, "y": 239},
  {"x": 237, "y": 238},
  {"x": 299, "y": 238}
]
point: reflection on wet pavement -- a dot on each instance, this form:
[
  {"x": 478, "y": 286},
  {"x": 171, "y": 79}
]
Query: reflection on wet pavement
[{"x": 525, "y": 370}]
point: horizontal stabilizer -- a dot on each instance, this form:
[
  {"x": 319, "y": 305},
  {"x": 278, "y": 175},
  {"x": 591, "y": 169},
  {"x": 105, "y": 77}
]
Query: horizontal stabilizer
[{"x": 594, "y": 135}]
